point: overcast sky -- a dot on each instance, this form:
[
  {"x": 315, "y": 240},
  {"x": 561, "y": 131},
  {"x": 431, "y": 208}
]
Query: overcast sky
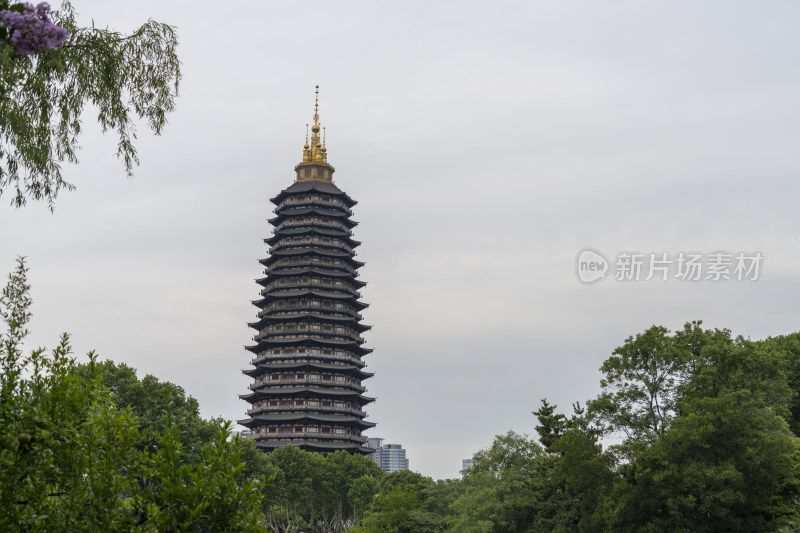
[{"x": 487, "y": 144}]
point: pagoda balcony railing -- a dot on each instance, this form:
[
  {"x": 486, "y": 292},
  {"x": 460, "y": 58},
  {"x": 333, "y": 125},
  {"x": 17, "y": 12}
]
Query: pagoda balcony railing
[
  {"x": 304, "y": 356},
  {"x": 313, "y": 221},
  {"x": 326, "y": 436},
  {"x": 304, "y": 282},
  {"x": 320, "y": 335},
  {"x": 316, "y": 337},
  {"x": 349, "y": 384},
  {"x": 299, "y": 314},
  {"x": 294, "y": 242},
  {"x": 301, "y": 200},
  {"x": 306, "y": 408},
  {"x": 314, "y": 262},
  {"x": 316, "y": 304}
]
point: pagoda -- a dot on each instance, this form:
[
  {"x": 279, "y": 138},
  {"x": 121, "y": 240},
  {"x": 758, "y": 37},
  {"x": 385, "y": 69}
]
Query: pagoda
[{"x": 308, "y": 367}]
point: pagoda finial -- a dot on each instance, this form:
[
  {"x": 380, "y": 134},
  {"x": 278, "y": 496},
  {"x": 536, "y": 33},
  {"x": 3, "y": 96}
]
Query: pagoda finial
[
  {"x": 317, "y": 154},
  {"x": 315, "y": 166},
  {"x": 306, "y": 149},
  {"x": 316, "y": 105}
]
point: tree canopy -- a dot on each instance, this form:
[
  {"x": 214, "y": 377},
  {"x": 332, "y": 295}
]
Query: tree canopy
[
  {"x": 72, "y": 460},
  {"x": 44, "y": 95}
]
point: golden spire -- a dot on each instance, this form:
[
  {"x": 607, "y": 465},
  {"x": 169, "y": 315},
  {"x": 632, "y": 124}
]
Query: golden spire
[
  {"x": 306, "y": 150},
  {"x": 314, "y": 166},
  {"x": 316, "y": 153},
  {"x": 316, "y": 104}
]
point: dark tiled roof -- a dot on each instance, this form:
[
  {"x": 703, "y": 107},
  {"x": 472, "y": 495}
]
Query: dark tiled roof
[{"x": 301, "y": 187}]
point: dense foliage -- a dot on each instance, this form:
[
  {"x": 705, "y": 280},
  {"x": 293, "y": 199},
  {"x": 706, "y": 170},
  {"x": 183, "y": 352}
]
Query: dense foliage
[
  {"x": 72, "y": 460},
  {"x": 699, "y": 429},
  {"x": 47, "y": 82}
]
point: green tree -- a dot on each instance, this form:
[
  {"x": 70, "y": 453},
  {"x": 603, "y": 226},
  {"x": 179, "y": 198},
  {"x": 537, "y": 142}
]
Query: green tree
[
  {"x": 727, "y": 465},
  {"x": 642, "y": 382},
  {"x": 408, "y": 502},
  {"x": 551, "y": 424},
  {"x": 509, "y": 489},
  {"x": 72, "y": 461},
  {"x": 581, "y": 472},
  {"x": 146, "y": 399},
  {"x": 361, "y": 493},
  {"x": 314, "y": 491},
  {"x": 789, "y": 346},
  {"x": 43, "y": 96},
  {"x": 723, "y": 458}
]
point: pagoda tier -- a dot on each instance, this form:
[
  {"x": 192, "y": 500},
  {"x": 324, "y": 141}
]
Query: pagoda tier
[
  {"x": 333, "y": 277},
  {"x": 308, "y": 370}
]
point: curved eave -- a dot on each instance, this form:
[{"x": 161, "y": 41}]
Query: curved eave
[
  {"x": 290, "y": 272},
  {"x": 294, "y": 392},
  {"x": 305, "y": 250},
  {"x": 285, "y": 213},
  {"x": 304, "y": 230},
  {"x": 263, "y": 368},
  {"x": 322, "y": 447},
  {"x": 339, "y": 420},
  {"x": 264, "y": 344},
  {"x": 350, "y": 322},
  {"x": 350, "y": 299},
  {"x": 302, "y": 250},
  {"x": 304, "y": 187},
  {"x": 295, "y": 293},
  {"x": 338, "y": 291}
]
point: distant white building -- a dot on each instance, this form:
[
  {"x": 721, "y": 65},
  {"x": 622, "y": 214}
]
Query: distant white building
[
  {"x": 466, "y": 464},
  {"x": 390, "y": 457}
]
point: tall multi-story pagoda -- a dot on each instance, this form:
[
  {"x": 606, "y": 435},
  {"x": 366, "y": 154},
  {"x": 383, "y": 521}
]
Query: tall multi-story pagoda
[{"x": 308, "y": 367}]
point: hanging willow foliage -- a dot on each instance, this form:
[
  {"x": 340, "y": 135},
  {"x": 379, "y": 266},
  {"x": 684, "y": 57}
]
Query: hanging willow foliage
[{"x": 43, "y": 95}]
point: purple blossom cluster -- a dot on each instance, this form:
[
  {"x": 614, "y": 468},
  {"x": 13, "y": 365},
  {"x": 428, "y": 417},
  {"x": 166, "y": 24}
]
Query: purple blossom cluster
[{"x": 32, "y": 31}]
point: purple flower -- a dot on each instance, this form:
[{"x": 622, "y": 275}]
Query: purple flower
[{"x": 32, "y": 31}]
